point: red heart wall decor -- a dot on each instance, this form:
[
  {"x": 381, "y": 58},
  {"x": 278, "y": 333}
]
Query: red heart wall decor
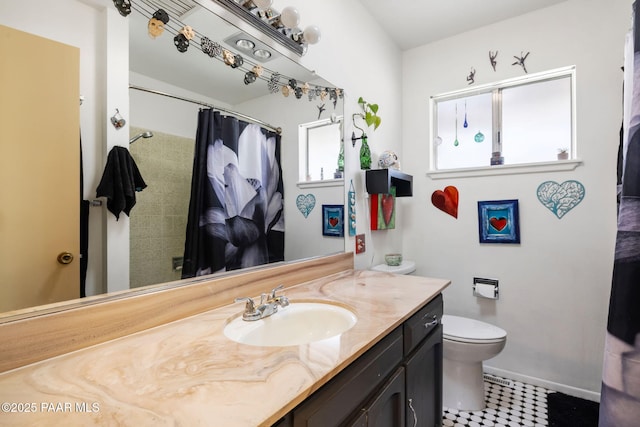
[
  {"x": 498, "y": 223},
  {"x": 387, "y": 207},
  {"x": 447, "y": 200},
  {"x": 333, "y": 221}
]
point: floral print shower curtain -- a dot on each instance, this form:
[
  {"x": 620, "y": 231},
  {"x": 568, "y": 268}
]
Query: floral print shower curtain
[
  {"x": 620, "y": 396},
  {"x": 236, "y": 216}
]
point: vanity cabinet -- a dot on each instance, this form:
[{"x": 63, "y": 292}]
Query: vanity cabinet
[{"x": 396, "y": 383}]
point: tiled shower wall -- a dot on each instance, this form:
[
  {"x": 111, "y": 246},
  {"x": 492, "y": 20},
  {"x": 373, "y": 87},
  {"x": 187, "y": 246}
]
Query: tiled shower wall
[{"x": 159, "y": 218}]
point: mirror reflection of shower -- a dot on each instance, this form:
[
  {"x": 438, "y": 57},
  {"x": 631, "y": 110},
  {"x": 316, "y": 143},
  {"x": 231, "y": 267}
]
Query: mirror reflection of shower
[{"x": 146, "y": 134}]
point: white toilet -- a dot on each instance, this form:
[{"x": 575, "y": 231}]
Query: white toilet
[
  {"x": 405, "y": 267},
  {"x": 466, "y": 344}
]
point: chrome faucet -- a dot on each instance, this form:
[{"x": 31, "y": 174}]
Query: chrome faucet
[{"x": 268, "y": 305}]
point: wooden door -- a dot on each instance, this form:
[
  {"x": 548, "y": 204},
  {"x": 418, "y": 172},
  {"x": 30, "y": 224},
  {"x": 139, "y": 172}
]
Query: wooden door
[{"x": 39, "y": 170}]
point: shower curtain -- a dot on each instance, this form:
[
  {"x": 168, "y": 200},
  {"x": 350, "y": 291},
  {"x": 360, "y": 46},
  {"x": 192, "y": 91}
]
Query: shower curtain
[
  {"x": 236, "y": 216},
  {"x": 620, "y": 395}
]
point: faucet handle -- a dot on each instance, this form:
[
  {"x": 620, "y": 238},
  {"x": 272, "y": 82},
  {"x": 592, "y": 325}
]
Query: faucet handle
[
  {"x": 250, "y": 306},
  {"x": 273, "y": 291}
]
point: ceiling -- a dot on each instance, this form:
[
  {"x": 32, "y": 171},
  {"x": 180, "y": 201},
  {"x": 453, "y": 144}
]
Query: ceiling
[
  {"x": 193, "y": 70},
  {"x": 412, "y": 23},
  {"x": 409, "y": 23}
]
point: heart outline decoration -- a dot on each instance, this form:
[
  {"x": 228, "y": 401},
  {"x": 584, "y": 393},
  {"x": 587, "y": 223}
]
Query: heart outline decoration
[
  {"x": 446, "y": 200},
  {"x": 306, "y": 203},
  {"x": 560, "y": 198}
]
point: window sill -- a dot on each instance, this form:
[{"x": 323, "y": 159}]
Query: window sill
[
  {"x": 323, "y": 183},
  {"x": 554, "y": 166}
]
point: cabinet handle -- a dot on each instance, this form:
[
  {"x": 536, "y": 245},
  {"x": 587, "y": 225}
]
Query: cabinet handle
[
  {"x": 432, "y": 323},
  {"x": 413, "y": 411}
]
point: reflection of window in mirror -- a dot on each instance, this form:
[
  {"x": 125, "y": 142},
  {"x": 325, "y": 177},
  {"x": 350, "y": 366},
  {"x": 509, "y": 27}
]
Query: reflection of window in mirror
[
  {"x": 320, "y": 144},
  {"x": 518, "y": 121}
]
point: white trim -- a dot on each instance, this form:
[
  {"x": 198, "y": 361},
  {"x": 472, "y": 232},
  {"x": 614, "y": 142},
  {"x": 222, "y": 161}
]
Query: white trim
[
  {"x": 544, "y": 75},
  {"x": 550, "y": 385},
  {"x": 324, "y": 183},
  {"x": 560, "y": 165}
]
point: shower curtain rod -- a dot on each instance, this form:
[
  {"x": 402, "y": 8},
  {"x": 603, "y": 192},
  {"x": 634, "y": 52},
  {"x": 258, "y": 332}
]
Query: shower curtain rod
[{"x": 205, "y": 104}]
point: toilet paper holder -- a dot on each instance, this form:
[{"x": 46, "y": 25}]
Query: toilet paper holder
[{"x": 485, "y": 288}]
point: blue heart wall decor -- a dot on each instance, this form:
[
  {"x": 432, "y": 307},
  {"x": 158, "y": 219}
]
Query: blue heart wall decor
[
  {"x": 560, "y": 198},
  {"x": 306, "y": 203}
]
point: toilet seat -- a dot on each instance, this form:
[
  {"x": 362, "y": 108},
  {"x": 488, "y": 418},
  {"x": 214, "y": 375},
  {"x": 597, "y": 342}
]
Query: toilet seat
[{"x": 462, "y": 329}]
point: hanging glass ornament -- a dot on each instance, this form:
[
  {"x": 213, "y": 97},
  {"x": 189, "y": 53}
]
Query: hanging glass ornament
[
  {"x": 365, "y": 154},
  {"x": 455, "y": 142},
  {"x": 479, "y": 137},
  {"x": 466, "y": 125}
]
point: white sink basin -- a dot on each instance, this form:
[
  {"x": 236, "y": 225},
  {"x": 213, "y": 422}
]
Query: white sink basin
[{"x": 298, "y": 323}]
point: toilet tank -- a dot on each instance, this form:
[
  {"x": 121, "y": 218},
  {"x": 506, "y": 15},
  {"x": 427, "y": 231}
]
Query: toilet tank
[{"x": 405, "y": 267}]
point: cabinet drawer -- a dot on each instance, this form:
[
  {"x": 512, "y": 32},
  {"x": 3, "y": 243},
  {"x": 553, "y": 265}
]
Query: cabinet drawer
[
  {"x": 422, "y": 324},
  {"x": 341, "y": 397}
]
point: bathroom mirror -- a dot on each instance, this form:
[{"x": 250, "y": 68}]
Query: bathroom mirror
[{"x": 157, "y": 64}]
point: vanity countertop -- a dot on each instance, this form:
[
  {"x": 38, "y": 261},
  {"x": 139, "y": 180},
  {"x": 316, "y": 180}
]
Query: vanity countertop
[{"x": 188, "y": 373}]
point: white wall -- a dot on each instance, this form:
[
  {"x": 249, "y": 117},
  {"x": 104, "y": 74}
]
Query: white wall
[
  {"x": 554, "y": 286},
  {"x": 355, "y": 54}
]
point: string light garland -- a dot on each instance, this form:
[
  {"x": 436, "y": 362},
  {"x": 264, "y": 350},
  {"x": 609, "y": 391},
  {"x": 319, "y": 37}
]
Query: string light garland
[{"x": 186, "y": 37}]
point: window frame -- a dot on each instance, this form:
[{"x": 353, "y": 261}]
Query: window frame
[
  {"x": 303, "y": 152},
  {"x": 494, "y": 88}
]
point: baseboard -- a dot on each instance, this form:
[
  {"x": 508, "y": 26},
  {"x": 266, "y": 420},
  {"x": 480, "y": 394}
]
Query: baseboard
[{"x": 550, "y": 385}]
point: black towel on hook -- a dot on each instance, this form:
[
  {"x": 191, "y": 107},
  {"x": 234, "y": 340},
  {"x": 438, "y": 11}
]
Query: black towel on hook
[{"x": 120, "y": 181}]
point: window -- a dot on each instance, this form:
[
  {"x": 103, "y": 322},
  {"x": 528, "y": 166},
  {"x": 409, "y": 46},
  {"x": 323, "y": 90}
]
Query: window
[
  {"x": 526, "y": 120},
  {"x": 320, "y": 145}
]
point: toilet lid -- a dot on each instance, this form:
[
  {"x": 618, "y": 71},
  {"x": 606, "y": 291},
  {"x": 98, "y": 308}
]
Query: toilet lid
[
  {"x": 405, "y": 267},
  {"x": 463, "y": 329}
]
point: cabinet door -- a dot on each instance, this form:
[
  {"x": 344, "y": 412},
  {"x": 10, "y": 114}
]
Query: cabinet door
[
  {"x": 388, "y": 407},
  {"x": 341, "y": 398},
  {"x": 285, "y": 421},
  {"x": 424, "y": 383}
]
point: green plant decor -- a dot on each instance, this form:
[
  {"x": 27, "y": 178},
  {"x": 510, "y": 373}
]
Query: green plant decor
[
  {"x": 370, "y": 116},
  {"x": 370, "y": 113}
]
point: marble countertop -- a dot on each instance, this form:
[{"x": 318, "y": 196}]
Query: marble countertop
[{"x": 188, "y": 373}]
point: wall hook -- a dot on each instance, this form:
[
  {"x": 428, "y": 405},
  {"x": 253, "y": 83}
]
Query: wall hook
[
  {"x": 117, "y": 120},
  {"x": 353, "y": 134}
]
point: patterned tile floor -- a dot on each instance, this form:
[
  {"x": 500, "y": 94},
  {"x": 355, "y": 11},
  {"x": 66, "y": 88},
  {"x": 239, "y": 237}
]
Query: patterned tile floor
[{"x": 512, "y": 405}]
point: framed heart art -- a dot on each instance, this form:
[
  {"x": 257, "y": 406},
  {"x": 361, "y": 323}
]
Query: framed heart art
[
  {"x": 498, "y": 221},
  {"x": 333, "y": 220}
]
